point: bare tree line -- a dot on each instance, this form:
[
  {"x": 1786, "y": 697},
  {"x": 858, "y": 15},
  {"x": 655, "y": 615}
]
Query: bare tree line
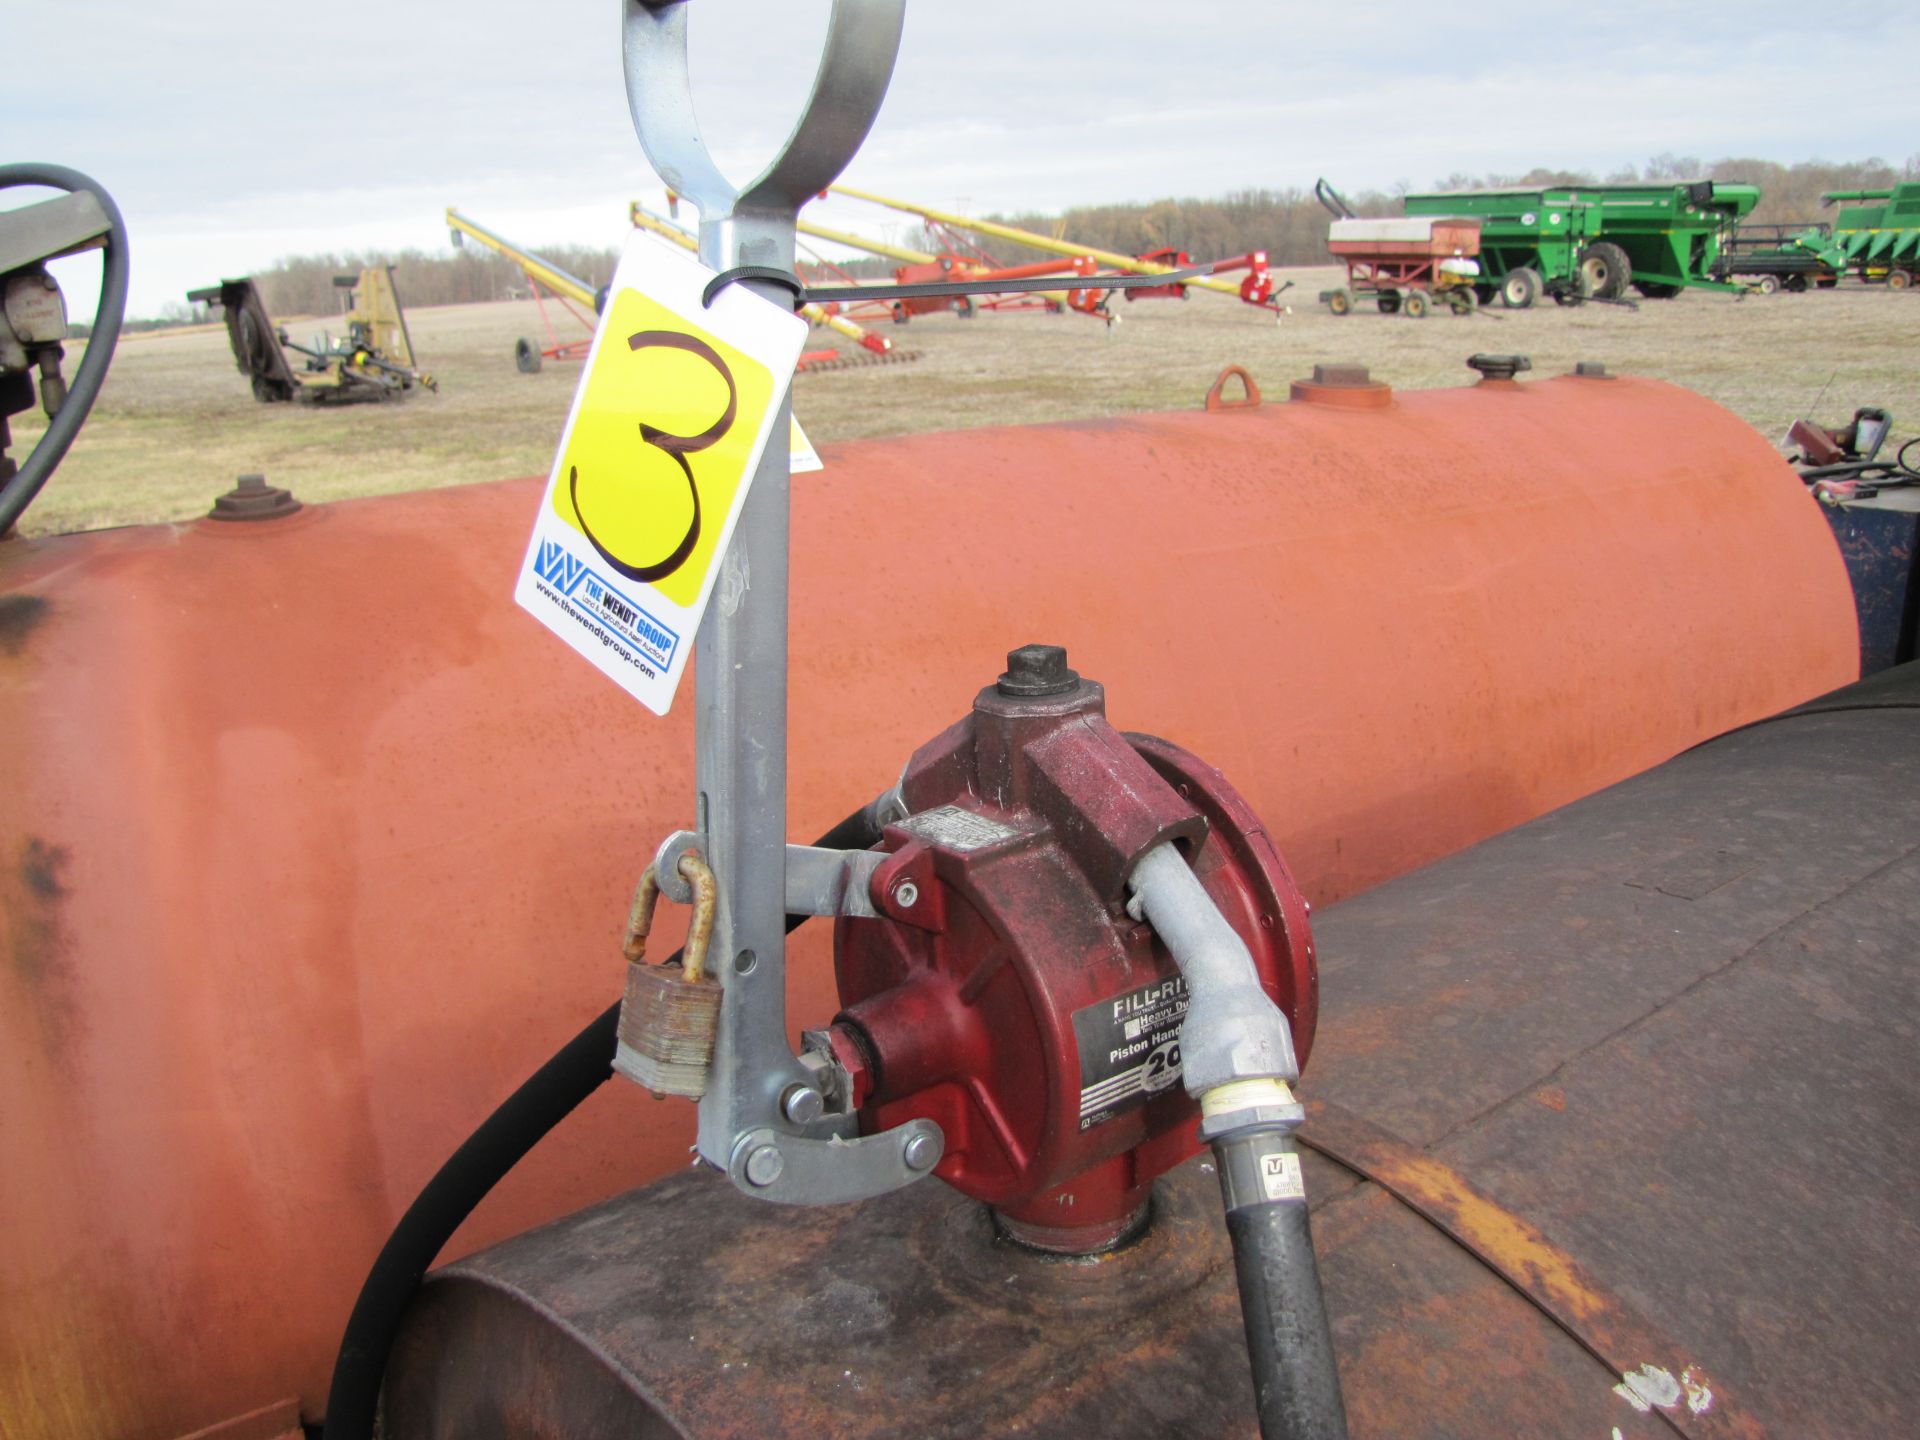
[{"x": 303, "y": 284}]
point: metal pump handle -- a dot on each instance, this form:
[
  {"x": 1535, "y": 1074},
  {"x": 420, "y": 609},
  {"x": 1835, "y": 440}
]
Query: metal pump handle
[{"x": 777, "y": 1151}]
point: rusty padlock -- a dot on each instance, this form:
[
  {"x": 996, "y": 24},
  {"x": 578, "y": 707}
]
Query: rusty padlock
[{"x": 670, "y": 1014}]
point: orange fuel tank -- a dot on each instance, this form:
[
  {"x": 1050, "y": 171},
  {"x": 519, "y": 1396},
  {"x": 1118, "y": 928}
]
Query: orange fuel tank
[{"x": 313, "y": 845}]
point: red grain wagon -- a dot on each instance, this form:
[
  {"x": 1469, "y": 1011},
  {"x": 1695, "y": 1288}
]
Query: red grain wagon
[{"x": 1406, "y": 264}]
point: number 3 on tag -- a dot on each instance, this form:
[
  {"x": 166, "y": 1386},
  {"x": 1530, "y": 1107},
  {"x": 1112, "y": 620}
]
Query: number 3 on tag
[{"x": 667, "y": 428}]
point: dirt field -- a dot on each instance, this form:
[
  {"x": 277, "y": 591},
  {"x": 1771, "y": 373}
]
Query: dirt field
[{"x": 176, "y": 422}]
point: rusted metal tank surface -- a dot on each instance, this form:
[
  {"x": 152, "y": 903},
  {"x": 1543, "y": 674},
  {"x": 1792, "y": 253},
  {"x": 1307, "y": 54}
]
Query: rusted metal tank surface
[
  {"x": 1614, "y": 1117},
  {"x": 314, "y": 845}
]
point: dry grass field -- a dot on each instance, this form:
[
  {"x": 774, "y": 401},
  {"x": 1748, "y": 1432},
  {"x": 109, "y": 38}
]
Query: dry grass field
[{"x": 176, "y": 422}]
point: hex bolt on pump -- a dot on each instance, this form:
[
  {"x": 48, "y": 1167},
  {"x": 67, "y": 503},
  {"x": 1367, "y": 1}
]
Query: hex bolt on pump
[{"x": 1052, "y": 927}]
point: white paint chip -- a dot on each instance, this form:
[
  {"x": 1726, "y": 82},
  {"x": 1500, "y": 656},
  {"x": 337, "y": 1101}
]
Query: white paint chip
[
  {"x": 1699, "y": 1395},
  {"x": 1647, "y": 1387}
]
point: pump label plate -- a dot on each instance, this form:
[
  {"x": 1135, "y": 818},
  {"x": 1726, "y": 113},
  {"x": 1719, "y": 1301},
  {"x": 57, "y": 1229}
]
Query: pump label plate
[
  {"x": 1129, "y": 1048},
  {"x": 952, "y": 828}
]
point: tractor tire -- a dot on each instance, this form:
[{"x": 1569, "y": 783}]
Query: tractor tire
[
  {"x": 899, "y": 314},
  {"x": 1605, "y": 271},
  {"x": 1340, "y": 302},
  {"x": 1389, "y": 302},
  {"x": 1898, "y": 279},
  {"x": 1767, "y": 284},
  {"x": 963, "y": 307},
  {"x": 1463, "y": 299},
  {"x": 1795, "y": 284},
  {"x": 1415, "y": 305},
  {"x": 526, "y": 356},
  {"x": 1656, "y": 289},
  {"x": 1520, "y": 288}
]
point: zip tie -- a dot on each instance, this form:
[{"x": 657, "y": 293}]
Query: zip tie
[{"x": 768, "y": 273}]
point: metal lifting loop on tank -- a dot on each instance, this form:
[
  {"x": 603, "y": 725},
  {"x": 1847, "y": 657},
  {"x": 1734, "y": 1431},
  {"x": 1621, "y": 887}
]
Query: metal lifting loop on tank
[{"x": 741, "y": 650}]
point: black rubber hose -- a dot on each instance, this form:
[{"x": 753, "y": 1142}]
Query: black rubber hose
[
  {"x": 1296, "y": 1384},
  {"x": 18, "y": 491},
  {"x": 524, "y": 1118}
]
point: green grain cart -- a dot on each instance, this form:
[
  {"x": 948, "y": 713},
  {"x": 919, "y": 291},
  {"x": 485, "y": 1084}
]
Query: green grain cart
[
  {"x": 1579, "y": 241},
  {"x": 1879, "y": 238}
]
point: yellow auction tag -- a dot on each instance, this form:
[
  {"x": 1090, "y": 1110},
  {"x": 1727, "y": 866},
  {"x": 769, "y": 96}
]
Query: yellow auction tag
[
  {"x": 660, "y": 446},
  {"x": 667, "y": 429}
]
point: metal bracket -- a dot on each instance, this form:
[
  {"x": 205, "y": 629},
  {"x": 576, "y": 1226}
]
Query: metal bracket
[
  {"x": 831, "y": 882},
  {"x": 791, "y": 1171},
  {"x": 818, "y": 881},
  {"x": 741, "y": 653}
]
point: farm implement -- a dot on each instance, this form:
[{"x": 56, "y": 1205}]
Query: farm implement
[
  {"x": 959, "y": 259},
  {"x": 373, "y": 361},
  {"x": 1580, "y": 242},
  {"x": 583, "y": 302},
  {"x": 1256, "y": 287},
  {"x": 1406, "y": 265},
  {"x": 1878, "y": 233},
  {"x": 1782, "y": 257},
  {"x": 1877, "y": 242},
  {"x": 544, "y": 278},
  {"x": 873, "y": 349}
]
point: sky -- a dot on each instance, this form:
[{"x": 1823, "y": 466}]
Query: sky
[{"x": 234, "y": 132}]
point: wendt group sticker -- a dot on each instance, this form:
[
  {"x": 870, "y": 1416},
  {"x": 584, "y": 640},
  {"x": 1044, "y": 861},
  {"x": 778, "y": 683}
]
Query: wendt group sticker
[{"x": 667, "y": 428}]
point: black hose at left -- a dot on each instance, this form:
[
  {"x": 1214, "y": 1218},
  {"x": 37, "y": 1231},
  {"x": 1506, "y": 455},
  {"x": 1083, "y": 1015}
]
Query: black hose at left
[{"x": 524, "y": 1118}]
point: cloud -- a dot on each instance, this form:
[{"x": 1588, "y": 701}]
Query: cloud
[{"x": 234, "y": 133}]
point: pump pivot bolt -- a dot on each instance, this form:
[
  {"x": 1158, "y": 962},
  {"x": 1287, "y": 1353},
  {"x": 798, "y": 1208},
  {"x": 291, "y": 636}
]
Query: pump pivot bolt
[
  {"x": 802, "y": 1104},
  {"x": 1037, "y": 670},
  {"x": 764, "y": 1166},
  {"x": 905, "y": 894},
  {"x": 922, "y": 1153}
]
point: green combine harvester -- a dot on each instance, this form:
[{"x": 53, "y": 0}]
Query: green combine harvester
[{"x": 1578, "y": 242}]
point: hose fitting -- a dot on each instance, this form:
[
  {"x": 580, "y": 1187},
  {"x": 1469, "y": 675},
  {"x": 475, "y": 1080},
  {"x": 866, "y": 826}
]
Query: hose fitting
[
  {"x": 1238, "y": 1058},
  {"x": 1233, "y": 1030}
]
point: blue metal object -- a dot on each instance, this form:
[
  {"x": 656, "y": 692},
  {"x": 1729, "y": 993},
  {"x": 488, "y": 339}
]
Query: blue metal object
[{"x": 1879, "y": 538}]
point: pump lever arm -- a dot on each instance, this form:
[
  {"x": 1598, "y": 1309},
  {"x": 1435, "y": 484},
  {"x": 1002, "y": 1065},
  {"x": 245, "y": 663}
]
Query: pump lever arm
[{"x": 741, "y": 650}]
